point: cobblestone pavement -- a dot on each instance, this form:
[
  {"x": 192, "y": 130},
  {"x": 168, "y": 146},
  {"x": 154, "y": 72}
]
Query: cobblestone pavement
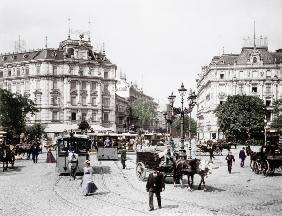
[{"x": 36, "y": 189}]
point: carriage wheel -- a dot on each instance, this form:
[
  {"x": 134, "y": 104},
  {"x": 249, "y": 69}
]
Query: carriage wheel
[
  {"x": 141, "y": 171},
  {"x": 256, "y": 167},
  {"x": 265, "y": 167}
]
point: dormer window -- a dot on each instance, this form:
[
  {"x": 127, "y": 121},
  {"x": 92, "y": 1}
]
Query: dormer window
[
  {"x": 255, "y": 59},
  {"x": 4, "y": 58},
  {"x": 25, "y": 56}
]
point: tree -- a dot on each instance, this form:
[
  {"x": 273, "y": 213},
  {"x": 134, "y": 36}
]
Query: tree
[
  {"x": 14, "y": 109},
  {"x": 34, "y": 132},
  {"x": 241, "y": 117},
  {"x": 84, "y": 125},
  {"x": 143, "y": 110},
  {"x": 277, "y": 117},
  {"x": 177, "y": 125}
]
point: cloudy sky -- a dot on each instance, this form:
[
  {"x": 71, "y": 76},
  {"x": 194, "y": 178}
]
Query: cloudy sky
[{"x": 157, "y": 43}]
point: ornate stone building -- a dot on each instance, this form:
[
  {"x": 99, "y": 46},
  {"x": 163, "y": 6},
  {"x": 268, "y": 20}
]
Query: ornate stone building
[
  {"x": 68, "y": 84},
  {"x": 255, "y": 71}
]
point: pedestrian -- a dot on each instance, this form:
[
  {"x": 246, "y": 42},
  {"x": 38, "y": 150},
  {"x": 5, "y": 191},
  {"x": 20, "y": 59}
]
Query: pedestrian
[
  {"x": 155, "y": 185},
  {"x": 248, "y": 150},
  {"x": 123, "y": 157},
  {"x": 211, "y": 153},
  {"x": 87, "y": 184},
  {"x": 230, "y": 158},
  {"x": 242, "y": 156},
  {"x": 34, "y": 152},
  {"x": 50, "y": 157},
  {"x": 107, "y": 143}
]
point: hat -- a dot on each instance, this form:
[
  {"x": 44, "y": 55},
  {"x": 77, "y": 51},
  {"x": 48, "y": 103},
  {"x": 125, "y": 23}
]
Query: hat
[{"x": 87, "y": 162}]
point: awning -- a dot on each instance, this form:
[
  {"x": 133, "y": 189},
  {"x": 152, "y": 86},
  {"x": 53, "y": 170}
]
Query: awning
[{"x": 59, "y": 128}]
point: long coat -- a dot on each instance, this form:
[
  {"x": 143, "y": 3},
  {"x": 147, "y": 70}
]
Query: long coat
[
  {"x": 242, "y": 155},
  {"x": 155, "y": 183}
]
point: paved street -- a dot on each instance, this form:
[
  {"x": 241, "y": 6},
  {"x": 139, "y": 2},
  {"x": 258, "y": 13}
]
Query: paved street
[{"x": 35, "y": 189}]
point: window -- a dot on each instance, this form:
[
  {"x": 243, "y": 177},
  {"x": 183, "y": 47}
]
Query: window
[
  {"x": 37, "y": 69},
  {"x": 73, "y": 85},
  {"x": 55, "y": 84},
  {"x": 55, "y": 116},
  {"x": 54, "y": 70},
  {"x": 268, "y": 103},
  {"x": 37, "y": 84},
  {"x": 83, "y": 85},
  {"x": 93, "y": 86},
  {"x": 106, "y": 102},
  {"x": 268, "y": 74},
  {"x": 255, "y": 60},
  {"x": 9, "y": 87},
  {"x": 241, "y": 75},
  {"x": 106, "y": 89},
  {"x": 18, "y": 71},
  {"x": 1, "y": 73},
  {"x": 221, "y": 76},
  {"x": 18, "y": 88},
  {"x": 254, "y": 89},
  {"x": 255, "y": 74},
  {"x": 27, "y": 85},
  {"x": 9, "y": 72},
  {"x": 38, "y": 99},
  {"x": 71, "y": 71},
  {"x": 94, "y": 116},
  {"x": 83, "y": 116},
  {"x": 220, "y": 102},
  {"x": 55, "y": 101},
  {"x": 267, "y": 88},
  {"x": 208, "y": 97},
  {"x": 213, "y": 135},
  {"x": 106, "y": 75},
  {"x": 27, "y": 70},
  {"x": 105, "y": 117},
  {"x": 73, "y": 116},
  {"x": 93, "y": 101},
  {"x": 73, "y": 100},
  {"x": 84, "y": 100}
]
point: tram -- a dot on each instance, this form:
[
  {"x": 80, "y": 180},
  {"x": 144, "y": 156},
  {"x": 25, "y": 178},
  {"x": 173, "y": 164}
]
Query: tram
[{"x": 80, "y": 144}]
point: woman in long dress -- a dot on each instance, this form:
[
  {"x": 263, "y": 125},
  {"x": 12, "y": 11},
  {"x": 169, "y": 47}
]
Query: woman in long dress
[
  {"x": 87, "y": 185},
  {"x": 50, "y": 157}
]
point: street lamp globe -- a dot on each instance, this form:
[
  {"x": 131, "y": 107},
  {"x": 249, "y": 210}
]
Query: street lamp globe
[
  {"x": 182, "y": 91},
  {"x": 171, "y": 99}
]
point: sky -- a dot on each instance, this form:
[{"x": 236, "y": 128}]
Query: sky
[{"x": 158, "y": 43}]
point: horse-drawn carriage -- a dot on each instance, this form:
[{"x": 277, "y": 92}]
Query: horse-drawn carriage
[
  {"x": 215, "y": 146},
  {"x": 148, "y": 161},
  {"x": 267, "y": 160}
]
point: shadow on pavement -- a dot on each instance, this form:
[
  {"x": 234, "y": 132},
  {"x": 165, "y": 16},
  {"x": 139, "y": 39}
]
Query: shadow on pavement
[
  {"x": 100, "y": 193},
  {"x": 102, "y": 170},
  {"x": 170, "y": 206},
  {"x": 212, "y": 189},
  {"x": 11, "y": 170}
]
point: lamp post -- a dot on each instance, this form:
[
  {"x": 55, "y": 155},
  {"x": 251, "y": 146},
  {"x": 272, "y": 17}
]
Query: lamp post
[
  {"x": 192, "y": 102},
  {"x": 165, "y": 118},
  {"x": 171, "y": 99},
  {"x": 265, "y": 123},
  {"x": 182, "y": 91}
]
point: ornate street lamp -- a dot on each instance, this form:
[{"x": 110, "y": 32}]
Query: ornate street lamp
[
  {"x": 192, "y": 102},
  {"x": 182, "y": 91}
]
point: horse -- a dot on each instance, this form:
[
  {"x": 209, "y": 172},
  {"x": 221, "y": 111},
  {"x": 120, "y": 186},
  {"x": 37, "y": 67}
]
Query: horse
[
  {"x": 7, "y": 156},
  {"x": 190, "y": 168},
  {"x": 73, "y": 164},
  {"x": 185, "y": 167},
  {"x": 22, "y": 149}
]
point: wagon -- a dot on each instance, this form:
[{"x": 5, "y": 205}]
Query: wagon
[
  {"x": 267, "y": 162},
  {"x": 146, "y": 162}
]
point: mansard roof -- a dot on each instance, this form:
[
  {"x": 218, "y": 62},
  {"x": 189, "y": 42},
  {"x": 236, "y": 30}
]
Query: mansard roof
[
  {"x": 45, "y": 54},
  {"x": 244, "y": 57}
]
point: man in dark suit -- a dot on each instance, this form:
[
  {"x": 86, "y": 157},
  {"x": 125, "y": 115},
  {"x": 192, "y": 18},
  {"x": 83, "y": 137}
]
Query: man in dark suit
[{"x": 155, "y": 184}]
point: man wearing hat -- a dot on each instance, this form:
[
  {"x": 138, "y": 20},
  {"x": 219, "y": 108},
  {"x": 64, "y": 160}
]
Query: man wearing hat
[
  {"x": 230, "y": 158},
  {"x": 155, "y": 185},
  {"x": 242, "y": 156},
  {"x": 123, "y": 156}
]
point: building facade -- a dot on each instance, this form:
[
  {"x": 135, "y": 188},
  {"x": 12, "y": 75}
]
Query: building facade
[
  {"x": 255, "y": 71},
  {"x": 68, "y": 84}
]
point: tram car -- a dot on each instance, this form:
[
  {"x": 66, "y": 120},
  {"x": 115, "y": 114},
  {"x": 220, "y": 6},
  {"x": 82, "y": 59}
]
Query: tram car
[
  {"x": 77, "y": 143},
  {"x": 106, "y": 145}
]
